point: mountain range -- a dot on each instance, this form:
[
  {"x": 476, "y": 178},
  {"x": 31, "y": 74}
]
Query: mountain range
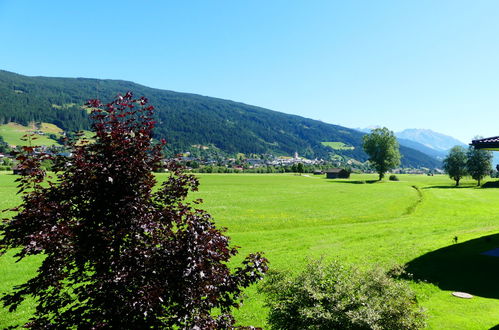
[
  {"x": 430, "y": 139},
  {"x": 425, "y": 140},
  {"x": 188, "y": 121}
]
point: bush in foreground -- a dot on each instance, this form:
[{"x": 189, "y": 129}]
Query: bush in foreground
[
  {"x": 119, "y": 255},
  {"x": 331, "y": 296}
]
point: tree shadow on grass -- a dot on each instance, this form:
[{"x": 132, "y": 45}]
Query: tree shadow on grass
[
  {"x": 353, "y": 181},
  {"x": 491, "y": 184},
  {"x": 451, "y": 187},
  {"x": 461, "y": 267}
]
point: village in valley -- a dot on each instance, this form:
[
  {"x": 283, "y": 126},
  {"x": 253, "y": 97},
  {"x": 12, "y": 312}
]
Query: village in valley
[{"x": 340, "y": 167}]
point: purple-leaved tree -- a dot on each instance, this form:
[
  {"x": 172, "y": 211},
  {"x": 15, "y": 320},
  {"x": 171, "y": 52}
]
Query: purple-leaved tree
[{"x": 117, "y": 253}]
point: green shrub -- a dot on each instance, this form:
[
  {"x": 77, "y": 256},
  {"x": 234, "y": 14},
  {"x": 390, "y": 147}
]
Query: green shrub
[
  {"x": 393, "y": 177},
  {"x": 7, "y": 162},
  {"x": 331, "y": 296}
]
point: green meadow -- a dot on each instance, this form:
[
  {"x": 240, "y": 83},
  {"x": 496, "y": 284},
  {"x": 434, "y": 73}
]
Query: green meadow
[
  {"x": 337, "y": 145},
  {"x": 13, "y": 134},
  {"x": 412, "y": 222}
]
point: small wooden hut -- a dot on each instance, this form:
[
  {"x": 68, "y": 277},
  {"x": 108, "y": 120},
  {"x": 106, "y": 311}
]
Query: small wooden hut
[{"x": 337, "y": 173}]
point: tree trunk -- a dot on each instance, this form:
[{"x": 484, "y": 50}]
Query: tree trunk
[{"x": 457, "y": 182}]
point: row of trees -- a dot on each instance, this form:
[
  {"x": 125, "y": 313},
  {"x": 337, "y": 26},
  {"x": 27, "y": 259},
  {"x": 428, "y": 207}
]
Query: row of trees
[
  {"x": 261, "y": 169},
  {"x": 295, "y": 168},
  {"x": 383, "y": 149},
  {"x": 474, "y": 162}
]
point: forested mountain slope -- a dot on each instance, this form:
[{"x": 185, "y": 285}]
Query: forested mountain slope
[{"x": 185, "y": 119}]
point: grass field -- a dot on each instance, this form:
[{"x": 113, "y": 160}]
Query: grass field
[
  {"x": 337, "y": 145},
  {"x": 290, "y": 218},
  {"x": 13, "y": 133}
]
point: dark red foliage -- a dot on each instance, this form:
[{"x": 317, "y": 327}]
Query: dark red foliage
[{"x": 119, "y": 255}]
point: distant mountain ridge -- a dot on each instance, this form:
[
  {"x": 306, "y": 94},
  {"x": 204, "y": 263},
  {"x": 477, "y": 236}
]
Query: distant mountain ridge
[
  {"x": 424, "y": 140},
  {"x": 430, "y": 139},
  {"x": 186, "y": 120},
  {"x": 438, "y": 154}
]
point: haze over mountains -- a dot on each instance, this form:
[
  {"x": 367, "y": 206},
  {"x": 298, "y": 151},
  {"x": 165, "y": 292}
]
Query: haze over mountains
[
  {"x": 187, "y": 121},
  {"x": 432, "y": 143},
  {"x": 425, "y": 140},
  {"x": 430, "y": 138}
]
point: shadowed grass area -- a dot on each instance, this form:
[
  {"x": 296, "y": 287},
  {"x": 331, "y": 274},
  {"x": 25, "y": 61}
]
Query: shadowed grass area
[
  {"x": 461, "y": 267},
  {"x": 491, "y": 184},
  {"x": 356, "y": 181}
]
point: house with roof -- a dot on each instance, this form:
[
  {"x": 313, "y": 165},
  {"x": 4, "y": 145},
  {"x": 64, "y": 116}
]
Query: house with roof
[{"x": 490, "y": 143}]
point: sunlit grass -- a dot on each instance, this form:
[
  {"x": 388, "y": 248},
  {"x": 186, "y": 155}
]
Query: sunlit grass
[
  {"x": 13, "y": 133},
  {"x": 337, "y": 145},
  {"x": 293, "y": 217}
]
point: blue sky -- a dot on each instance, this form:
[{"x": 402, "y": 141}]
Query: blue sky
[{"x": 399, "y": 64}]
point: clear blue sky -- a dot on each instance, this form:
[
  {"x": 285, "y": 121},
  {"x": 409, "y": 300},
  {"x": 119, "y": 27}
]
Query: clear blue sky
[{"x": 400, "y": 64}]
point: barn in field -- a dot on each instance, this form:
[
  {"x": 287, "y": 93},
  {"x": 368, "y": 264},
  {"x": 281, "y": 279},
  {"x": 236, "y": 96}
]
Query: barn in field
[{"x": 337, "y": 173}]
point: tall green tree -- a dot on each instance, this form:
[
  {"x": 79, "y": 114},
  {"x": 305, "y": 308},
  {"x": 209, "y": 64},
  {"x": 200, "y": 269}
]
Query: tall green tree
[
  {"x": 479, "y": 163},
  {"x": 299, "y": 168},
  {"x": 383, "y": 149},
  {"x": 4, "y": 147},
  {"x": 455, "y": 164}
]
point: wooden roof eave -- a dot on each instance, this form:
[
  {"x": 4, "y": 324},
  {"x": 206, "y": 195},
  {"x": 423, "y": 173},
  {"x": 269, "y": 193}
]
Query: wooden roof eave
[{"x": 491, "y": 143}]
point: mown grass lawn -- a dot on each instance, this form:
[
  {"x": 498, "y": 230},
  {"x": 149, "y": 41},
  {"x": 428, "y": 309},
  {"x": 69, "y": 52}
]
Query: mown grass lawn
[{"x": 291, "y": 218}]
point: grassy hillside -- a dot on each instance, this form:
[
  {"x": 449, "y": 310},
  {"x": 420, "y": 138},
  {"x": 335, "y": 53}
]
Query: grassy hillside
[
  {"x": 184, "y": 119},
  {"x": 337, "y": 145},
  {"x": 13, "y": 133},
  {"x": 413, "y": 222}
]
